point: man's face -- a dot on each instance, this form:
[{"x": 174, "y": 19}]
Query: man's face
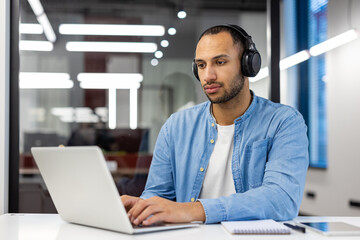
[{"x": 217, "y": 59}]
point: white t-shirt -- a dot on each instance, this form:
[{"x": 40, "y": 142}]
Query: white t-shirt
[{"x": 218, "y": 179}]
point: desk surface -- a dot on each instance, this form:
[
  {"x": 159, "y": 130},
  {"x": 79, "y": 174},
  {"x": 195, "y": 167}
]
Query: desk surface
[{"x": 51, "y": 227}]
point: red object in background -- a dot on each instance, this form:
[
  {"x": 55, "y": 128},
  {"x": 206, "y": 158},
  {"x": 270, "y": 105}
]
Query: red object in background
[{"x": 131, "y": 160}]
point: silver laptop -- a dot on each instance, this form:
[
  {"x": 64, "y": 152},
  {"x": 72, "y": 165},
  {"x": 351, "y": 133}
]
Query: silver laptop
[{"x": 83, "y": 190}]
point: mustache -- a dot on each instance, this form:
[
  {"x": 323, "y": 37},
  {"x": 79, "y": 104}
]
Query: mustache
[{"x": 211, "y": 83}]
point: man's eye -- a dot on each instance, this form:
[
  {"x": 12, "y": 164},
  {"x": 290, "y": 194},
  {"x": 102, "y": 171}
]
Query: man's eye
[
  {"x": 200, "y": 65},
  {"x": 220, "y": 62}
]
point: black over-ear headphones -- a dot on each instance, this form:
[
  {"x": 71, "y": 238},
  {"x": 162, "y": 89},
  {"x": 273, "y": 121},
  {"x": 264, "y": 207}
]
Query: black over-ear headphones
[{"x": 250, "y": 60}]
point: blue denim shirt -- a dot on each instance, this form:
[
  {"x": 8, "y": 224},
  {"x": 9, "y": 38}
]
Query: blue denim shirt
[{"x": 269, "y": 162}]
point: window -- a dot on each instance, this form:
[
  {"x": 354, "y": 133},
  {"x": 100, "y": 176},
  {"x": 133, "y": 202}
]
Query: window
[
  {"x": 309, "y": 23},
  {"x": 317, "y": 86}
]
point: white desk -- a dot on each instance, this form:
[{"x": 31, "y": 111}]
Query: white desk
[{"x": 51, "y": 227}]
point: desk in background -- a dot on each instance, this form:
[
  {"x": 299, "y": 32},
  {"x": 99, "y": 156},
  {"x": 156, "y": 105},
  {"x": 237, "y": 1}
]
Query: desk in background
[{"x": 51, "y": 227}]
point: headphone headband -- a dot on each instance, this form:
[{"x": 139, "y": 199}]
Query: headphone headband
[{"x": 238, "y": 29}]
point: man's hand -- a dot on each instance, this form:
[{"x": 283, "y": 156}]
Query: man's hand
[
  {"x": 129, "y": 201},
  {"x": 157, "y": 209}
]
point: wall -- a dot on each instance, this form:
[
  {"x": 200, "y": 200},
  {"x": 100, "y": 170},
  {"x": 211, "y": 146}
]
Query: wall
[
  {"x": 4, "y": 101},
  {"x": 255, "y": 25},
  {"x": 339, "y": 183}
]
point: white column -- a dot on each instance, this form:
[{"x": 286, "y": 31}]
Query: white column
[
  {"x": 133, "y": 107},
  {"x": 4, "y": 103},
  {"x": 112, "y": 107}
]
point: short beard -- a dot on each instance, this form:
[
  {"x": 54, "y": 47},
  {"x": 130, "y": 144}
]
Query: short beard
[{"x": 235, "y": 88}]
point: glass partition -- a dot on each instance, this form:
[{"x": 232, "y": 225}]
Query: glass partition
[{"x": 109, "y": 73}]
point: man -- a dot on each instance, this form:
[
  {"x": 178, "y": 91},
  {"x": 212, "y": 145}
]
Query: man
[{"x": 235, "y": 157}]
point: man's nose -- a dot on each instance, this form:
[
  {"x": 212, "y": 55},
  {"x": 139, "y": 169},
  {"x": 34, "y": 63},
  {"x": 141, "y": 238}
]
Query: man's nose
[{"x": 209, "y": 74}]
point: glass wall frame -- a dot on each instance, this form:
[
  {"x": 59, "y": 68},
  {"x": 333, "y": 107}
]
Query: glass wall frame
[{"x": 48, "y": 116}]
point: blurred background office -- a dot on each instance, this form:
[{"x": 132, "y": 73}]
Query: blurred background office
[{"x": 109, "y": 73}]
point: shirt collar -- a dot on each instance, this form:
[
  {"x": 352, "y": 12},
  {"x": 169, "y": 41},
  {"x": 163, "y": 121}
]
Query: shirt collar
[{"x": 243, "y": 117}]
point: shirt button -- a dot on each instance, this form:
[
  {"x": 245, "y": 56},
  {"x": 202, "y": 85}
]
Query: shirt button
[
  {"x": 193, "y": 199},
  {"x": 212, "y": 140},
  {"x": 201, "y": 169},
  {"x": 212, "y": 124}
]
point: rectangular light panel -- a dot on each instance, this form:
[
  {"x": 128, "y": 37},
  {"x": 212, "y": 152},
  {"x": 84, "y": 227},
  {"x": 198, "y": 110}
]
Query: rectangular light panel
[
  {"x": 38, "y": 80},
  {"x": 110, "y": 80},
  {"x": 89, "y": 46},
  {"x": 42, "y": 46},
  {"x": 31, "y": 28},
  {"x": 112, "y": 29},
  {"x": 334, "y": 42},
  {"x": 294, "y": 59}
]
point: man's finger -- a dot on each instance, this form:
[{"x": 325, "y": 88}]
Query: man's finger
[
  {"x": 139, "y": 206},
  {"x": 159, "y": 217},
  {"x": 147, "y": 212},
  {"x": 129, "y": 201}
]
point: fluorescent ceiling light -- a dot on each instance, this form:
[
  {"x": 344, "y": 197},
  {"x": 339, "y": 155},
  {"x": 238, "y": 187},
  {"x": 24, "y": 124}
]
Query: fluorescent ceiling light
[
  {"x": 109, "y": 85},
  {"x": 110, "y": 80},
  {"x": 61, "y": 111},
  {"x": 139, "y": 47},
  {"x": 284, "y": 64},
  {"x": 43, "y": 19},
  {"x": 304, "y": 55},
  {"x": 43, "y": 84},
  {"x": 294, "y": 59},
  {"x": 85, "y": 114},
  {"x": 112, "y": 108},
  {"x": 30, "y": 28},
  {"x": 263, "y": 73},
  {"x": 133, "y": 108},
  {"x": 112, "y": 29},
  {"x": 102, "y": 112},
  {"x": 80, "y": 114},
  {"x": 159, "y": 54},
  {"x": 37, "y": 80},
  {"x": 136, "y": 77},
  {"x": 36, "y": 7},
  {"x": 172, "y": 31},
  {"x": 334, "y": 42},
  {"x": 44, "y": 75},
  {"x": 154, "y": 62},
  {"x": 164, "y": 43},
  {"x": 48, "y": 30},
  {"x": 181, "y": 14},
  {"x": 27, "y": 45}
]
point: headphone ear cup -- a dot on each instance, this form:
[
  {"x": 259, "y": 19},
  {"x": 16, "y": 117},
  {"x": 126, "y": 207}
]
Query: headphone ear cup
[
  {"x": 195, "y": 70},
  {"x": 250, "y": 63}
]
